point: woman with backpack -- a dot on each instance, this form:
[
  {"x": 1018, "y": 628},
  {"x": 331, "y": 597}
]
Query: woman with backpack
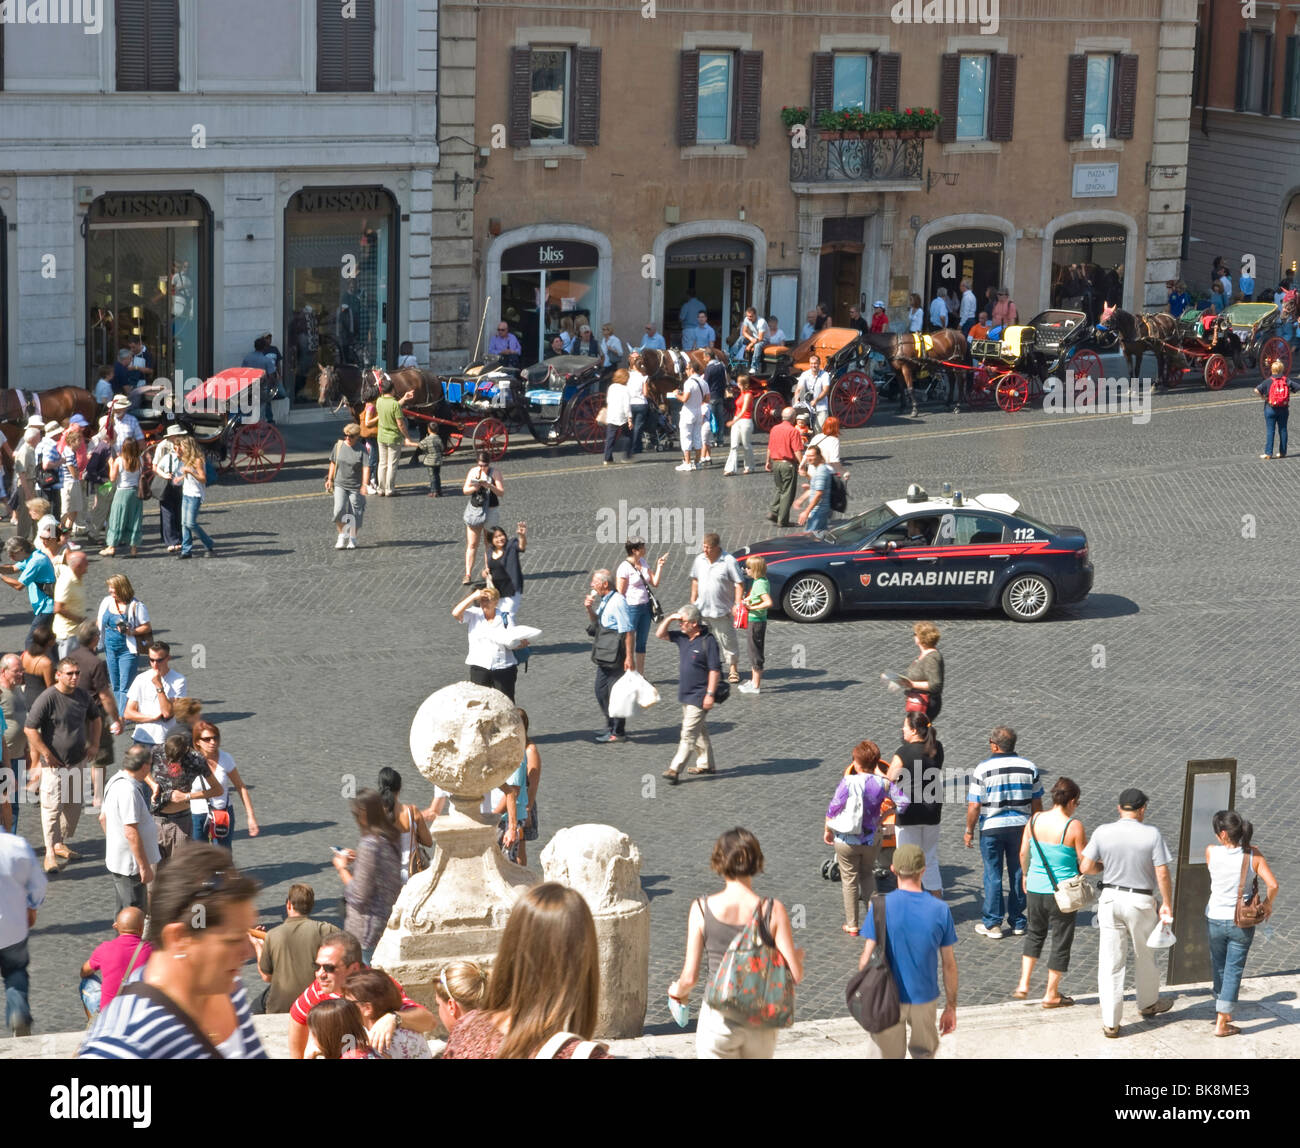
[
  {"x": 853, "y": 823},
  {"x": 720, "y": 924},
  {"x": 1276, "y": 391}
]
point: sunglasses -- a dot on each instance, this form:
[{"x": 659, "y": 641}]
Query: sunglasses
[
  {"x": 324, "y": 968},
  {"x": 207, "y": 737}
]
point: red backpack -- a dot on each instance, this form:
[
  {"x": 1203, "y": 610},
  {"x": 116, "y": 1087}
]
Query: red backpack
[{"x": 1279, "y": 392}]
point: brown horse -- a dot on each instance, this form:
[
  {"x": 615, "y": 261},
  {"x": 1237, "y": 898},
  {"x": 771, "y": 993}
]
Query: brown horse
[
  {"x": 1158, "y": 333},
  {"x": 907, "y": 352},
  {"x": 665, "y": 371},
  {"x": 414, "y": 387},
  {"x": 58, "y": 404}
]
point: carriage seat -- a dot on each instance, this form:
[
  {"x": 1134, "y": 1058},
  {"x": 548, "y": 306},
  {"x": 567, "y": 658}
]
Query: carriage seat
[{"x": 775, "y": 350}]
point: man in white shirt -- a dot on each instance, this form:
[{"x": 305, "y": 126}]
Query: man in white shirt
[
  {"x": 762, "y": 337},
  {"x": 966, "y": 315},
  {"x": 124, "y": 424},
  {"x": 717, "y": 586},
  {"x": 130, "y": 833},
  {"x": 653, "y": 341},
  {"x": 22, "y": 892},
  {"x": 776, "y": 337},
  {"x": 701, "y": 337},
  {"x": 149, "y": 699},
  {"x": 813, "y": 391},
  {"x": 690, "y": 423}
]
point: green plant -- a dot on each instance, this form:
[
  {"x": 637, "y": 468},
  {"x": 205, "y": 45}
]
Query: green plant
[
  {"x": 920, "y": 119},
  {"x": 882, "y": 121},
  {"x": 792, "y": 116},
  {"x": 830, "y": 121},
  {"x": 855, "y": 121}
]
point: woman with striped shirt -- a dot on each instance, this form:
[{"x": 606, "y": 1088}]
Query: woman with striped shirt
[{"x": 188, "y": 1003}]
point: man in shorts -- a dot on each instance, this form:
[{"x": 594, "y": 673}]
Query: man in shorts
[{"x": 348, "y": 478}]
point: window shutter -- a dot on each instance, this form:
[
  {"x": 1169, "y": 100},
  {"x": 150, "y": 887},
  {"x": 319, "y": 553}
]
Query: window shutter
[
  {"x": 132, "y": 19},
  {"x": 1002, "y": 112},
  {"x": 749, "y": 91},
  {"x": 823, "y": 85},
  {"x": 163, "y": 64},
  {"x": 688, "y": 96},
  {"x": 2, "y": 57},
  {"x": 884, "y": 82},
  {"x": 949, "y": 79},
  {"x": 586, "y": 97},
  {"x": 1076, "y": 94},
  {"x": 1288, "y": 81},
  {"x": 1266, "y": 104},
  {"x": 519, "y": 130},
  {"x": 345, "y": 48},
  {"x": 1243, "y": 66},
  {"x": 1126, "y": 87}
]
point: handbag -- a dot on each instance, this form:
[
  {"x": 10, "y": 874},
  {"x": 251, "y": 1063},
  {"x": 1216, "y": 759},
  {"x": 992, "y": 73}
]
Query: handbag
[
  {"x": 475, "y": 515},
  {"x": 753, "y": 985},
  {"x": 740, "y": 616},
  {"x": 418, "y": 859},
  {"x": 656, "y": 610},
  {"x": 918, "y": 702},
  {"x": 872, "y": 995},
  {"x": 607, "y": 649},
  {"x": 1072, "y": 894},
  {"x": 602, "y": 415},
  {"x": 217, "y": 825},
  {"x": 1249, "y": 910}
]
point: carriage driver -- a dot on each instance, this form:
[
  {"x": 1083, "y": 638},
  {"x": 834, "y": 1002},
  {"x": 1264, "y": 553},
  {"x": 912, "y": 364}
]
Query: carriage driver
[{"x": 812, "y": 392}]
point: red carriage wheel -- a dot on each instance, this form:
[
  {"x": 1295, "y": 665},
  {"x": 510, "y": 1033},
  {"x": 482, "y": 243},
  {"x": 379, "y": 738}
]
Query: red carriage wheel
[
  {"x": 453, "y": 441},
  {"x": 491, "y": 435},
  {"x": 1275, "y": 350},
  {"x": 256, "y": 452},
  {"x": 767, "y": 411},
  {"x": 1217, "y": 372},
  {"x": 1086, "y": 364},
  {"x": 587, "y": 432},
  {"x": 979, "y": 388},
  {"x": 853, "y": 399},
  {"x": 1012, "y": 390}
]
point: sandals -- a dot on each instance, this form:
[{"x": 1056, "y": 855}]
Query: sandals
[
  {"x": 107, "y": 552},
  {"x": 1231, "y": 1030},
  {"x": 851, "y": 930},
  {"x": 1019, "y": 995},
  {"x": 1061, "y": 1002},
  {"x": 671, "y": 774},
  {"x": 699, "y": 769}
]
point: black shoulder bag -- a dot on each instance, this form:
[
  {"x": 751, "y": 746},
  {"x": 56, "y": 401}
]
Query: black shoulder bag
[{"x": 872, "y": 995}]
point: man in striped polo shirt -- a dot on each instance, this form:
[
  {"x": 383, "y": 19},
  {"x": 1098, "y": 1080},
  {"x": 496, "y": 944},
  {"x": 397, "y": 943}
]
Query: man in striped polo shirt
[{"x": 1004, "y": 791}]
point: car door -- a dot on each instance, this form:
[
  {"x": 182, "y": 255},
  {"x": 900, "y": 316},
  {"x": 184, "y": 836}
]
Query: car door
[
  {"x": 974, "y": 551},
  {"x": 902, "y": 576}
]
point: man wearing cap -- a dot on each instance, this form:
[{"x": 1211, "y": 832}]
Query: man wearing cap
[
  {"x": 347, "y": 480},
  {"x": 879, "y": 317},
  {"x": 124, "y": 424},
  {"x": 1005, "y": 790},
  {"x": 1133, "y": 861},
  {"x": 34, "y": 572},
  {"x": 653, "y": 341},
  {"x": 167, "y": 467},
  {"x": 919, "y": 936},
  {"x": 25, "y": 466},
  {"x": 585, "y": 344}
]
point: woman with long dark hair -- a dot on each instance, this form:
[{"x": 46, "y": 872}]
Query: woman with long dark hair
[
  {"x": 371, "y": 873},
  {"x": 338, "y": 1032},
  {"x": 1235, "y": 867},
  {"x": 411, "y": 823},
  {"x": 485, "y": 488},
  {"x": 126, "y": 515},
  {"x": 544, "y": 988},
  {"x": 503, "y": 568},
  {"x": 918, "y": 763}
]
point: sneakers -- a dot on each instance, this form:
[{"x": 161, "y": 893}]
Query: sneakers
[
  {"x": 1266, "y": 456},
  {"x": 1112, "y": 1033},
  {"x": 1164, "y": 1004},
  {"x": 993, "y": 934},
  {"x": 685, "y": 467},
  {"x": 748, "y": 688},
  {"x": 352, "y": 544},
  {"x": 341, "y": 544},
  {"x": 1018, "y": 931}
]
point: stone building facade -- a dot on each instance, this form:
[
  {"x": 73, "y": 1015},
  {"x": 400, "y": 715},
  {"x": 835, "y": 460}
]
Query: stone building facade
[{"x": 630, "y": 157}]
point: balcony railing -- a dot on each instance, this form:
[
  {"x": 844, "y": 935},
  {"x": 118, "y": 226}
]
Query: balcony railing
[{"x": 857, "y": 160}]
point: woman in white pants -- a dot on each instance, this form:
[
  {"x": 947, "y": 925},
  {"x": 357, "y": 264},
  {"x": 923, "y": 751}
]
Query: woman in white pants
[
  {"x": 920, "y": 758},
  {"x": 742, "y": 429},
  {"x": 712, "y": 924},
  {"x": 690, "y": 423}
]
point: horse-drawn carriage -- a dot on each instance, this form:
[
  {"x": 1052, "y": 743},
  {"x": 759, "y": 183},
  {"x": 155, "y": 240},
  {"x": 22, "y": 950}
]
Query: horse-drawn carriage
[
  {"x": 1015, "y": 367},
  {"x": 843, "y": 356},
  {"x": 226, "y": 416},
  {"x": 1244, "y": 335}
]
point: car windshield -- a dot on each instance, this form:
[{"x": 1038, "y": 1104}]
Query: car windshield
[{"x": 856, "y": 530}]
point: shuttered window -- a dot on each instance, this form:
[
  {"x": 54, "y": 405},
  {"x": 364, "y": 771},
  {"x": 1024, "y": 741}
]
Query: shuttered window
[
  {"x": 1002, "y": 98},
  {"x": 973, "y": 97},
  {"x": 554, "y": 97},
  {"x": 1291, "y": 78},
  {"x": 1098, "y": 94},
  {"x": 2, "y": 57},
  {"x": 148, "y": 45},
  {"x": 748, "y": 97},
  {"x": 949, "y": 81},
  {"x": 884, "y": 95},
  {"x": 1254, "y": 71},
  {"x": 688, "y": 99},
  {"x": 345, "y": 45},
  {"x": 1126, "y": 72},
  {"x": 1076, "y": 86},
  {"x": 586, "y": 97},
  {"x": 719, "y": 97},
  {"x": 713, "y": 119},
  {"x": 852, "y": 82}
]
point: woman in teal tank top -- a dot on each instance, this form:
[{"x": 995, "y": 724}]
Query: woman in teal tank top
[{"x": 1056, "y": 838}]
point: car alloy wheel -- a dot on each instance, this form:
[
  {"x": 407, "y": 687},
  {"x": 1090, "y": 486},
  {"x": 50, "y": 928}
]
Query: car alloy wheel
[
  {"x": 1027, "y": 598},
  {"x": 810, "y": 598}
]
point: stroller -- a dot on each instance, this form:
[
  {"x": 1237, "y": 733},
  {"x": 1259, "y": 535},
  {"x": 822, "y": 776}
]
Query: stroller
[{"x": 659, "y": 432}]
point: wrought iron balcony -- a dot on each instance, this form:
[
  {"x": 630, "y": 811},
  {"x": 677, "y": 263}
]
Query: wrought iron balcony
[{"x": 861, "y": 161}]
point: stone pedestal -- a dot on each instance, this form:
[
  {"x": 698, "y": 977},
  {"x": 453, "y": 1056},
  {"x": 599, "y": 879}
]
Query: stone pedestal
[
  {"x": 465, "y": 739},
  {"x": 603, "y": 864}
]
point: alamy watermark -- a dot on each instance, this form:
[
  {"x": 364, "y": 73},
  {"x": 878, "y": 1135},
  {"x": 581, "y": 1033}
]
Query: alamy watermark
[
  {"x": 88, "y": 13},
  {"x": 179, "y": 395},
  {"x": 658, "y": 525},
  {"x": 981, "y": 12}
]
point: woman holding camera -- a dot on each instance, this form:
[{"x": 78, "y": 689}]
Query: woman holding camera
[
  {"x": 124, "y": 624},
  {"x": 485, "y": 489},
  {"x": 490, "y": 662}
]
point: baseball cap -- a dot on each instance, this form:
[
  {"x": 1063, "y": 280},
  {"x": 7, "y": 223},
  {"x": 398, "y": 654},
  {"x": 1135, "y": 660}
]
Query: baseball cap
[
  {"x": 879, "y": 303},
  {"x": 48, "y": 527},
  {"x": 1131, "y": 799},
  {"x": 78, "y": 421},
  {"x": 801, "y": 418},
  {"x": 909, "y": 860}
]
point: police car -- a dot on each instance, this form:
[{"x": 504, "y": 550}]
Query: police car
[{"x": 920, "y": 552}]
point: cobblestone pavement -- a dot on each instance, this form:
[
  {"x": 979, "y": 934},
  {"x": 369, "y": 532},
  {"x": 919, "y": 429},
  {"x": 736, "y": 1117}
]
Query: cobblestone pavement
[{"x": 314, "y": 661}]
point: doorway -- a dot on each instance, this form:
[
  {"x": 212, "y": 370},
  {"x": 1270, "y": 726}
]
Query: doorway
[{"x": 839, "y": 281}]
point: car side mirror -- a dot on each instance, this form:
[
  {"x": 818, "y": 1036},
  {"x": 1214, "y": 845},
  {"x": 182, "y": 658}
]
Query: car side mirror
[{"x": 884, "y": 546}]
